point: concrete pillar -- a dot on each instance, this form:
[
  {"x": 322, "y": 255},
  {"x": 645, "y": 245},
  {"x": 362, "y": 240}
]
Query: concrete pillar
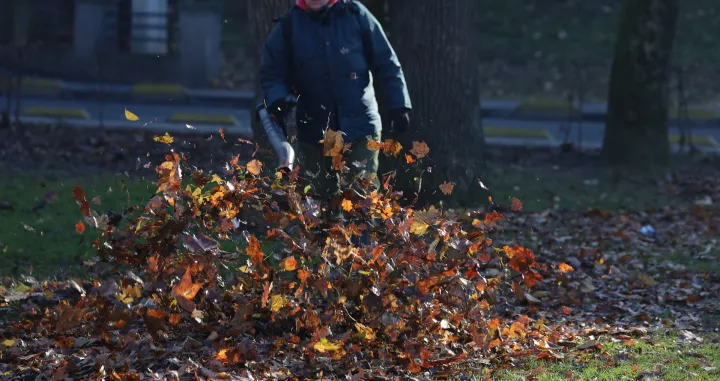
[
  {"x": 150, "y": 26},
  {"x": 89, "y": 26},
  {"x": 200, "y": 24}
]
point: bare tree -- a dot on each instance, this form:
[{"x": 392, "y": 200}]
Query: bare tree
[{"x": 636, "y": 131}]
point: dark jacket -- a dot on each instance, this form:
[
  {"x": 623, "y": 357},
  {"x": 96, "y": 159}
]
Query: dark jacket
[{"x": 331, "y": 73}]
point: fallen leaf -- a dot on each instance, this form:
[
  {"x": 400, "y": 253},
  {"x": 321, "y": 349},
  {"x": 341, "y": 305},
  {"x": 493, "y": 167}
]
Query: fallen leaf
[
  {"x": 347, "y": 205},
  {"x": 564, "y": 267},
  {"x": 290, "y": 264},
  {"x": 253, "y": 250},
  {"x": 79, "y": 227},
  {"x": 323, "y": 345}
]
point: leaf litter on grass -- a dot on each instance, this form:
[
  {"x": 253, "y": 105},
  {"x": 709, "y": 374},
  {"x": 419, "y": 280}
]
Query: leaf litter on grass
[{"x": 433, "y": 293}]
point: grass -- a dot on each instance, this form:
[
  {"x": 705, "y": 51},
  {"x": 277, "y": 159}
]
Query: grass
[
  {"x": 46, "y": 241},
  {"x": 663, "y": 356}
]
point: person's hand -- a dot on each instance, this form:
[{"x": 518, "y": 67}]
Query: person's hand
[
  {"x": 279, "y": 109},
  {"x": 400, "y": 120}
]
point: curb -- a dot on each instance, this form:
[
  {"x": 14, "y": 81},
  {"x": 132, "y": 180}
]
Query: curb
[
  {"x": 219, "y": 119},
  {"x": 158, "y": 89},
  {"x": 516, "y": 133},
  {"x": 56, "y": 112}
]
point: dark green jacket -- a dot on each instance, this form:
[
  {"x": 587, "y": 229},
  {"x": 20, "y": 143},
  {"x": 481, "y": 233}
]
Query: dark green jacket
[{"x": 330, "y": 72}]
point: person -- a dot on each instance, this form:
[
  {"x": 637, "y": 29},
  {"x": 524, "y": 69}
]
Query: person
[{"x": 327, "y": 53}]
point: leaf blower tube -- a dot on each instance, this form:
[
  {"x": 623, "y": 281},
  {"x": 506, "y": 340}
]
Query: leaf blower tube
[{"x": 276, "y": 135}]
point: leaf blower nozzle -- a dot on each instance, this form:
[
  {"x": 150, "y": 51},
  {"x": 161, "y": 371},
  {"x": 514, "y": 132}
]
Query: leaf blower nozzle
[{"x": 276, "y": 135}]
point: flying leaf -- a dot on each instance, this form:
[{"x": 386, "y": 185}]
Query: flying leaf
[
  {"x": 420, "y": 149},
  {"x": 332, "y": 143},
  {"x": 392, "y": 147},
  {"x": 447, "y": 188},
  {"x": 409, "y": 159},
  {"x": 79, "y": 196},
  {"x": 80, "y": 227},
  {"x": 130, "y": 116},
  {"x": 253, "y": 250},
  {"x": 564, "y": 267},
  {"x": 347, "y": 205},
  {"x": 323, "y": 345},
  {"x": 222, "y": 134},
  {"x": 190, "y": 127},
  {"x": 516, "y": 205},
  {"x": 254, "y": 167},
  {"x": 374, "y": 145},
  {"x": 289, "y": 264},
  {"x": 166, "y": 139}
]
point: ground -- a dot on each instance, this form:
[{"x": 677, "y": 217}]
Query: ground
[{"x": 641, "y": 297}]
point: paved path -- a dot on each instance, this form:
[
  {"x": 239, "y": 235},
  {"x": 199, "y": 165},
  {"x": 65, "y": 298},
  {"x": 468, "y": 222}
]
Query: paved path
[{"x": 175, "y": 118}]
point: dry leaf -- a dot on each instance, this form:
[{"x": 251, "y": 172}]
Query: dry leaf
[
  {"x": 564, "y": 267},
  {"x": 80, "y": 227},
  {"x": 347, "y": 205},
  {"x": 130, "y": 116},
  {"x": 447, "y": 188},
  {"x": 420, "y": 149},
  {"x": 516, "y": 205},
  {"x": 254, "y": 167},
  {"x": 167, "y": 139},
  {"x": 392, "y": 147},
  {"x": 290, "y": 264}
]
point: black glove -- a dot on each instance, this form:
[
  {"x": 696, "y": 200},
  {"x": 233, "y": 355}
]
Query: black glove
[
  {"x": 400, "y": 120},
  {"x": 279, "y": 109}
]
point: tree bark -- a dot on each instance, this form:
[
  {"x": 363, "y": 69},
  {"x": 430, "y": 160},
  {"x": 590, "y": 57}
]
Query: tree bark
[
  {"x": 636, "y": 132},
  {"x": 260, "y": 17},
  {"x": 436, "y": 44}
]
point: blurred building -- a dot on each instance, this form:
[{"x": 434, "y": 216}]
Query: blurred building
[{"x": 122, "y": 40}]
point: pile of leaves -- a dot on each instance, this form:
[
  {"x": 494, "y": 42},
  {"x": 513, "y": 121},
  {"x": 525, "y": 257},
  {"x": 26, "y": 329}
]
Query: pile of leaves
[{"x": 240, "y": 275}]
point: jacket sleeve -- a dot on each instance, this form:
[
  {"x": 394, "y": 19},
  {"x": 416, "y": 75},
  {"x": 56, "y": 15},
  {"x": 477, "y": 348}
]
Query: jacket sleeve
[
  {"x": 274, "y": 67},
  {"x": 386, "y": 66}
]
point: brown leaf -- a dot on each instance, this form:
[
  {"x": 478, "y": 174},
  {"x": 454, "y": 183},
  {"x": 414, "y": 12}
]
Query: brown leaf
[
  {"x": 79, "y": 196},
  {"x": 447, "y": 188},
  {"x": 516, "y": 205},
  {"x": 332, "y": 143},
  {"x": 420, "y": 149},
  {"x": 254, "y": 251},
  {"x": 392, "y": 147},
  {"x": 254, "y": 167}
]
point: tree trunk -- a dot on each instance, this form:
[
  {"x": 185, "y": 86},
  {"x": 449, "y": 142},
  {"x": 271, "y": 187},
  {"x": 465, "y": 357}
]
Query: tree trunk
[
  {"x": 436, "y": 44},
  {"x": 260, "y": 17},
  {"x": 636, "y": 132}
]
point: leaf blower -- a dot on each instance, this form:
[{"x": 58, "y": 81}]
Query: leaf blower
[{"x": 276, "y": 135}]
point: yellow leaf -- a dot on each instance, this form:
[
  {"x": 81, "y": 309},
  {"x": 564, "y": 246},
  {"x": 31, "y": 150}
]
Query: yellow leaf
[
  {"x": 130, "y": 116},
  {"x": 420, "y": 149},
  {"x": 324, "y": 345},
  {"x": 8, "y": 342},
  {"x": 418, "y": 227},
  {"x": 276, "y": 303},
  {"x": 254, "y": 167},
  {"x": 167, "y": 139},
  {"x": 347, "y": 205}
]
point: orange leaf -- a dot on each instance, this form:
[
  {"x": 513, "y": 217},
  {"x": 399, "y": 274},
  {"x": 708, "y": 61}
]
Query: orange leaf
[
  {"x": 516, "y": 205},
  {"x": 290, "y": 264},
  {"x": 80, "y": 227},
  {"x": 447, "y": 188},
  {"x": 254, "y": 167},
  {"x": 492, "y": 217},
  {"x": 374, "y": 145},
  {"x": 254, "y": 251},
  {"x": 420, "y": 149},
  {"x": 347, "y": 205},
  {"x": 79, "y": 196},
  {"x": 222, "y": 134},
  {"x": 186, "y": 289},
  {"x": 409, "y": 159},
  {"x": 564, "y": 267},
  {"x": 392, "y": 147}
]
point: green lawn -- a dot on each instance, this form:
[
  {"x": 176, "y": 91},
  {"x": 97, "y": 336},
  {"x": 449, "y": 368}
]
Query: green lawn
[
  {"x": 46, "y": 240},
  {"x": 662, "y": 356}
]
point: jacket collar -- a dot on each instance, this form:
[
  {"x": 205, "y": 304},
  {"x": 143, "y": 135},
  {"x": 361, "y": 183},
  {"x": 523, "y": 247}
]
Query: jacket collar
[{"x": 303, "y": 5}]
